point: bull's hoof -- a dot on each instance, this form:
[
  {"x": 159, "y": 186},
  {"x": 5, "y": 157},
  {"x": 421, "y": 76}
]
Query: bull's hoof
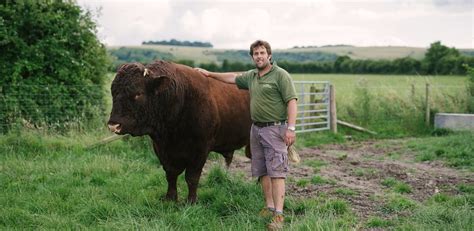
[
  {"x": 228, "y": 161},
  {"x": 191, "y": 200},
  {"x": 170, "y": 197}
]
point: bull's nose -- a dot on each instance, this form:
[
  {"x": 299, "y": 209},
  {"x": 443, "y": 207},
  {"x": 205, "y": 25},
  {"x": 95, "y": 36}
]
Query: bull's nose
[{"x": 115, "y": 128}]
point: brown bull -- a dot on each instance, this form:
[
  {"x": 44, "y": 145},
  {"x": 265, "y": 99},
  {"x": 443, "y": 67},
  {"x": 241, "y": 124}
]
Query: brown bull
[{"x": 186, "y": 115}]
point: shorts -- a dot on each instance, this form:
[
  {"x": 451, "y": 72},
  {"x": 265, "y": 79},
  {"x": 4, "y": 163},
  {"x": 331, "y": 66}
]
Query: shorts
[{"x": 269, "y": 151}]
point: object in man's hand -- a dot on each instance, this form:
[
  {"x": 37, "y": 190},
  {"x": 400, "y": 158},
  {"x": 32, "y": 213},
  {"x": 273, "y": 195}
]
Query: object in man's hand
[{"x": 293, "y": 156}]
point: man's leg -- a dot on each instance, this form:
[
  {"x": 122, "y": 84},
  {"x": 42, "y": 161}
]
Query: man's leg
[
  {"x": 278, "y": 193},
  {"x": 267, "y": 191},
  {"x": 259, "y": 169}
]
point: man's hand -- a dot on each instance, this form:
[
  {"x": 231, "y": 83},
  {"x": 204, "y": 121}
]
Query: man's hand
[
  {"x": 204, "y": 72},
  {"x": 290, "y": 137}
]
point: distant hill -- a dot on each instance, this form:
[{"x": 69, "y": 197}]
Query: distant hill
[
  {"x": 296, "y": 54},
  {"x": 174, "y": 42}
]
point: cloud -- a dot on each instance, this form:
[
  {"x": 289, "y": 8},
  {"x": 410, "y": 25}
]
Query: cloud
[{"x": 284, "y": 23}]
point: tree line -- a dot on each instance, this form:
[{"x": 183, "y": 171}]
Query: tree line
[
  {"x": 439, "y": 60},
  {"x": 174, "y": 42}
]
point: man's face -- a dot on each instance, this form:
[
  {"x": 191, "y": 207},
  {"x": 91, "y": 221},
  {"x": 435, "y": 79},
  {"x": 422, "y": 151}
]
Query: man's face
[{"x": 260, "y": 57}]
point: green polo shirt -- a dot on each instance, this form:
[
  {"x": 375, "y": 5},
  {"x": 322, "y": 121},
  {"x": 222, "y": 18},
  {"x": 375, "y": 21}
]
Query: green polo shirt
[{"x": 269, "y": 94}]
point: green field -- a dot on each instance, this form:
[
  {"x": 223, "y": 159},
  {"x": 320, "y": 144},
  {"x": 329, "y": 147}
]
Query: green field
[
  {"x": 390, "y": 53},
  {"x": 393, "y": 105},
  {"x": 405, "y": 87},
  {"x": 55, "y": 182}
]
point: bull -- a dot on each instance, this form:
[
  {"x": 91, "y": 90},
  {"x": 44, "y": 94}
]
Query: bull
[{"x": 186, "y": 115}]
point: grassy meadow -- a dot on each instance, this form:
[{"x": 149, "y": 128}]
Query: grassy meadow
[{"x": 55, "y": 182}]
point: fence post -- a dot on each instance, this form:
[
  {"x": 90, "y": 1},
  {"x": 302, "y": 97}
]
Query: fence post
[
  {"x": 412, "y": 91},
  {"x": 427, "y": 115},
  {"x": 332, "y": 108}
]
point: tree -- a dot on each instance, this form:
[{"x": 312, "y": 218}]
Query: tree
[
  {"x": 341, "y": 63},
  {"x": 436, "y": 58},
  {"x": 52, "y": 65},
  {"x": 470, "y": 89}
]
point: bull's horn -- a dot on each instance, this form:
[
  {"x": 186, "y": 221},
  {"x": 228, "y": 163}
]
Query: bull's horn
[{"x": 145, "y": 72}]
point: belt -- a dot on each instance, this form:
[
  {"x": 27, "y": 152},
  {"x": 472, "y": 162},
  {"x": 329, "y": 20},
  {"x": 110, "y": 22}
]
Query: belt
[{"x": 266, "y": 124}]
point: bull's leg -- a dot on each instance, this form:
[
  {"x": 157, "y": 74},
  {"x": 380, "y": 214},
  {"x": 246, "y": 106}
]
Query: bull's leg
[
  {"x": 192, "y": 175},
  {"x": 228, "y": 156},
  {"x": 172, "y": 177}
]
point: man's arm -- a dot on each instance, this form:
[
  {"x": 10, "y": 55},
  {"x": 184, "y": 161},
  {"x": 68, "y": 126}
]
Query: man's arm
[
  {"x": 292, "y": 111},
  {"x": 228, "y": 77}
]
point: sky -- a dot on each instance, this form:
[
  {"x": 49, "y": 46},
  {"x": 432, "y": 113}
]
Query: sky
[{"x": 235, "y": 24}]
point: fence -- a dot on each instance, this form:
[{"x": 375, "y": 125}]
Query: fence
[
  {"x": 50, "y": 106},
  {"x": 313, "y": 106}
]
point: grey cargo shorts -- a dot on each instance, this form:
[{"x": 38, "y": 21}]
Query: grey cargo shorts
[{"x": 269, "y": 151}]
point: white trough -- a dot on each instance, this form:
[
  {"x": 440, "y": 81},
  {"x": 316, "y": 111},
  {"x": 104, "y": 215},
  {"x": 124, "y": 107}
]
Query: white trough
[{"x": 454, "y": 121}]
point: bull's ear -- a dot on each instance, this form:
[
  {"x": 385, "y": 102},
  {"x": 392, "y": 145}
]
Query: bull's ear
[{"x": 160, "y": 84}]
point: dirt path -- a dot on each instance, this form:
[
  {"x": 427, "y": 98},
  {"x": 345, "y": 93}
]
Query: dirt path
[{"x": 355, "y": 171}]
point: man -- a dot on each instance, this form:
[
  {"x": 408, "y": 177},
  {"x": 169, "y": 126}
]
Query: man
[{"x": 273, "y": 110}]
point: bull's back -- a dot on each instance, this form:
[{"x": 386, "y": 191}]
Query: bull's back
[{"x": 233, "y": 106}]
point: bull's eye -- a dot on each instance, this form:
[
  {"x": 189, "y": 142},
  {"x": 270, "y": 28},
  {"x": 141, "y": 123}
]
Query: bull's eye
[{"x": 138, "y": 96}]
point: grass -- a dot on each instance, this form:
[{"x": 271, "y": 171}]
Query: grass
[
  {"x": 362, "y": 100},
  {"x": 378, "y": 222},
  {"x": 456, "y": 150},
  {"x": 396, "y": 185},
  {"x": 315, "y": 164},
  {"x": 319, "y": 180},
  {"x": 345, "y": 191},
  {"x": 365, "y": 172},
  {"x": 55, "y": 182}
]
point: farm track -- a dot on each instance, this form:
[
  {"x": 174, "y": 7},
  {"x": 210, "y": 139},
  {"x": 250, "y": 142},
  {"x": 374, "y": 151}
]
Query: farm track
[{"x": 361, "y": 167}]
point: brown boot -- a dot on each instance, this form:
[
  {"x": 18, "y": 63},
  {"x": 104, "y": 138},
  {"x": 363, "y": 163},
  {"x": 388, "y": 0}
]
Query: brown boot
[
  {"x": 265, "y": 213},
  {"x": 277, "y": 222}
]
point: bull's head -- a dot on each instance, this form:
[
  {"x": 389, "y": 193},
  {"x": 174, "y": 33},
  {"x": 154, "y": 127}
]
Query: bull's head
[{"x": 135, "y": 92}]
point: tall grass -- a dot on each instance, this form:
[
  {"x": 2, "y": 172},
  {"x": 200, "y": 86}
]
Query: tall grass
[{"x": 394, "y": 106}]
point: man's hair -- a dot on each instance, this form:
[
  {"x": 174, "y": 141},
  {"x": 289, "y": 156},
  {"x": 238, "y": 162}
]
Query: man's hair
[{"x": 260, "y": 43}]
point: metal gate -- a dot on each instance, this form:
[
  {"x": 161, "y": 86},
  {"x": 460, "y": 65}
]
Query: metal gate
[{"x": 313, "y": 106}]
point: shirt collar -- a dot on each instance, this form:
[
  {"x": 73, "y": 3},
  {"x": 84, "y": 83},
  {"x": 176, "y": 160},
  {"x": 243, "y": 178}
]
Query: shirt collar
[{"x": 274, "y": 65}]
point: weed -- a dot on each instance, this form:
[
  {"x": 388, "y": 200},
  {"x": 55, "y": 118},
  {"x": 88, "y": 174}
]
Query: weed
[
  {"x": 317, "y": 180},
  {"x": 335, "y": 206},
  {"x": 302, "y": 182},
  {"x": 401, "y": 187},
  {"x": 466, "y": 188},
  {"x": 345, "y": 191},
  {"x": 389, "y": 182},
  {"x": 377, "y": 222},
  {"x": 398, "y": 203},
  {"x": 315, "y": 164}
]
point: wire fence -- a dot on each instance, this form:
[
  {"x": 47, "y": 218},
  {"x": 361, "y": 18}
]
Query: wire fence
[{"x": 48, "y": 106}]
